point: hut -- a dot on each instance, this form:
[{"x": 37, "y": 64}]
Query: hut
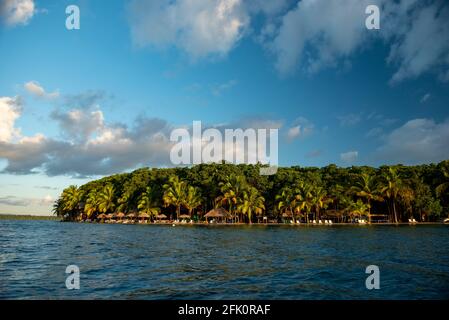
[
  {"x": 144, "y": 216},
  {"x": 217, "y": 213},
  {"x": 161, "y": 216},
  {"x": 110, "y": 217},
  {"x": 120, "y": 215}
]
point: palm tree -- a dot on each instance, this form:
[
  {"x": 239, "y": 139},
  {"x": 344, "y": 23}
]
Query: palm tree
[
  {"x": 285, "y": 200},
  {"x": 92, "y": 204},
  {"x": 319, "y": 200},
  {"x": 252, "y": 202},
  {"x": 147, "y": 203},
  {"x": 304, "y": 199},
  {"x": 193, "y": 199},
  {"x": 175, "y": 193},
  {"x": 232, "y": 191},
  {"x": 71, "y": 198},
  {"x": 365, "y": 187},
  {"x": 392, "y": 188},
  {"x": 444, "y": 185},
  {"x": 106, "y": 199},
  {"x": 124, "y": 201},
  {"x": 58, "y": 207},
  {"x": 359, "y": 208}
]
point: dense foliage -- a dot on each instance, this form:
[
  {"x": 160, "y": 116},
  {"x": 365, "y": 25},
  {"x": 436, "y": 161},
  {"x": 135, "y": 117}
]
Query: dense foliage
[{"x": 398, "y": 192}]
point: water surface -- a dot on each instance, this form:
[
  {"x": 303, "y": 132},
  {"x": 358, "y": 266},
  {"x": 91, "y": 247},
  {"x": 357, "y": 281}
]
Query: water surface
[{"x": 222, "y": 262}]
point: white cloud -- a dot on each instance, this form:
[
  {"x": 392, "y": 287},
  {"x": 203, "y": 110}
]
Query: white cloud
[
  {"x": 9, "y": 112},
  {"x": 15, "y": 12},
  {"x": 294, "y": 132},
  {"x": 199, "y": 27},
  {"x": 24, "y": 202},
  {"x": 417, "y": 141},
  {"x": 318, "y": 34},
  {"x": 78, "y": 124},
  {"x": 425, "y": 98},
  {"x": 421, "y": 41},
  {"x": 300, "y": 128},
  {"x": 311, "y": 35},
  {"x": 37, "y": 90},
  {"x": 349, "y": 157},
  {"x": 90, "y": 146}
]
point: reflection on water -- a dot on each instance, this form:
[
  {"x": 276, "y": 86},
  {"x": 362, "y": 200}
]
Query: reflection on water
[{"x": 227, "y": 262}]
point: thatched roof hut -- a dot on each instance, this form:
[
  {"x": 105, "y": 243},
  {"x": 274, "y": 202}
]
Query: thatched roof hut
[
  {"x": 184, "y": 216},
  {"x": 120, "y": 215},
  {"x": 217, "y": 213},
  {"x": 130, "y": 215},
  {"x": 161, "y": 216},
  {"x": 110, "y": 216},
  {"x": 144, "y": 215},
  {"x": 101, "y": 216}
]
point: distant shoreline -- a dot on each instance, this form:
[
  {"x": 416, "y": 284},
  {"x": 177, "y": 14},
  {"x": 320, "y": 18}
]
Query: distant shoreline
[{"x": 5, "y": 216}]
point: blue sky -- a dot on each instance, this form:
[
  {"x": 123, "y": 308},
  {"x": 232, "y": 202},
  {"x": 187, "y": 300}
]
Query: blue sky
[{"x": 79, "y": 104}]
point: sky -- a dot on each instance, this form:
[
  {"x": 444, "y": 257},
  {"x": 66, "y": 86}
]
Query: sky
[{"x": 76, "y": 105}]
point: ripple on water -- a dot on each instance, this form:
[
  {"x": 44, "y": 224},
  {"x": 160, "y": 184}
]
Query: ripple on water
[{"x": 245, "y": 262}]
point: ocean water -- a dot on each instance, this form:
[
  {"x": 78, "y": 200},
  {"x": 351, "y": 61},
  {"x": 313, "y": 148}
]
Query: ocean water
[{"x": 222, "y": 262}]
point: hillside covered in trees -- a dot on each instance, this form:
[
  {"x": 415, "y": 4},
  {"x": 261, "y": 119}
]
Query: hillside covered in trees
[{"x": 398, "y": 192}]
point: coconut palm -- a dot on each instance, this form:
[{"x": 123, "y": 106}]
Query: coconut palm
[
  {"x": 92, "y": 204},
  {"x": 175, "y": 193},
  {"x": 391, "y": 188},
  {"x": 193, "y": 199},
  {"x": 444, "y": 185},
  {"x": 285, "y": 200},
  {"x": 106, "y": 199},
  {"x": 319, "y": 200},
  {"x": 232, "y": 190},
  {"x": 366, "y": 187},
  {"x": 58, "y": 207},
  {"x": 359, "y": 209},
  {"x": 147, "y": 203},
  {"x": 71, "y": 198},
  {"x": 124, "y": 201},
  {"x": 253, "y": 203},
  {"x": 304, "y": 199}
]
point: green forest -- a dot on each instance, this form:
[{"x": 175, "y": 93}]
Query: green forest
[{"x": 396, "y": 193}]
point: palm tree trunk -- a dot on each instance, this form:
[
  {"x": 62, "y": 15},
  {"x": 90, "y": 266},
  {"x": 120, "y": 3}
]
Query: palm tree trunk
[
  {"x": 369, "y": 212},
  {"x": 395, "y": 213}
]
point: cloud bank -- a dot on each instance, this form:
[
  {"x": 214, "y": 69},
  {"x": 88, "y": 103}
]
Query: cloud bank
[{"x": 306, "y": 35}]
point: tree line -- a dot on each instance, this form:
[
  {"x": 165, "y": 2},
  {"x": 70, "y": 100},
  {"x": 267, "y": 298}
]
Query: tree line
[{"x": 298, "y": 193}]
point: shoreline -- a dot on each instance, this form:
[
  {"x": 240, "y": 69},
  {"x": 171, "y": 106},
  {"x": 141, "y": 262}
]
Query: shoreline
[{"x": 170, "y": 224}]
